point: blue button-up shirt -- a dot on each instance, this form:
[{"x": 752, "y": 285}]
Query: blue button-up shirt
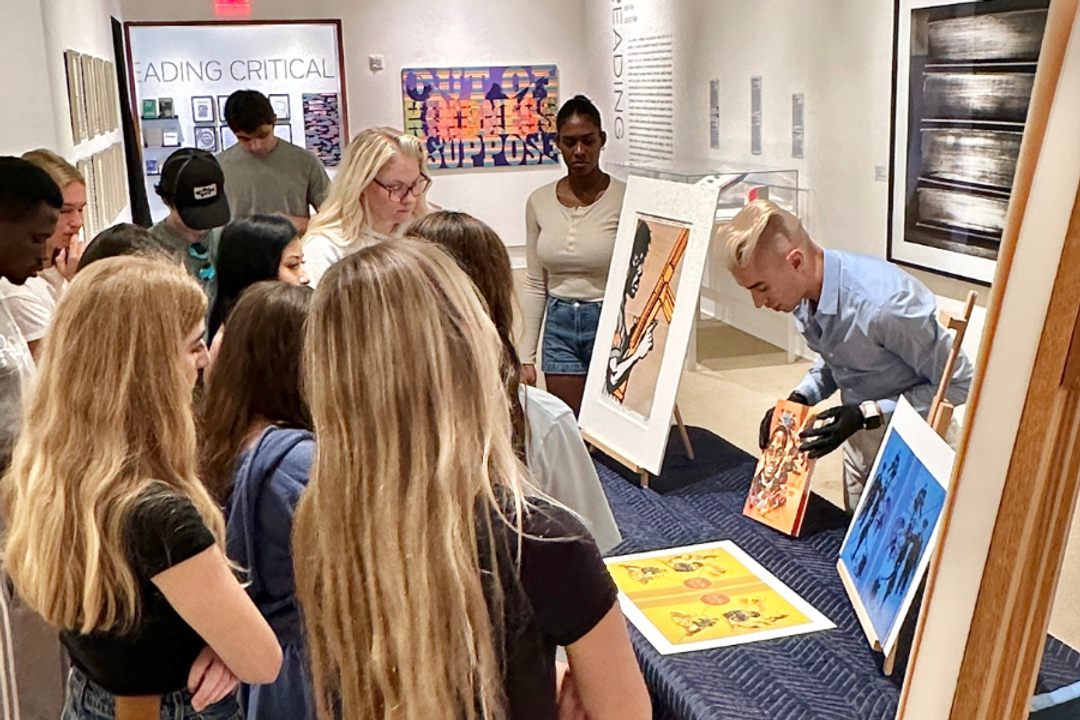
[{"x": 876, "y": 330}]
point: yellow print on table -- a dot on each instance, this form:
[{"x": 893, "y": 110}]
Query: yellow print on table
[{"x": 694, "y": 597}]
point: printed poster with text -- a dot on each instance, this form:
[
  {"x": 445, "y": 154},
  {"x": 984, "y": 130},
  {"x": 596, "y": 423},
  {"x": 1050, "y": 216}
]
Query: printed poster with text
[
  {"x": 708, "y": 596},
  {"x": 483, "y": 117}
]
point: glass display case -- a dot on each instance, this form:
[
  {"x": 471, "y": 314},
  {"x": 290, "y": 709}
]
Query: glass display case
[{"x": 737, "y": 187}]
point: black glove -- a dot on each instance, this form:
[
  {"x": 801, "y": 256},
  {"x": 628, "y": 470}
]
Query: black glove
[
  {"x": 766, "y": 422},
  {"x": 840, "y": 423}
]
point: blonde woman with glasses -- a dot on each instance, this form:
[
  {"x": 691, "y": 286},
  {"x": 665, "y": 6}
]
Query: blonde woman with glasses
[
  {"x": 110, "y": 535},
  {"x": 380, "y": 188},
  {"x": 430, "y": 586}
]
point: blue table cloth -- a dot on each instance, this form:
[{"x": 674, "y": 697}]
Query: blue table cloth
[{"x": 830, "y": 675}]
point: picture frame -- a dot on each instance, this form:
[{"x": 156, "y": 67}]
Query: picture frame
[
  {"x": 202, "y": 110},
  {"x": 281, "y": 105},
  {"x": 283, "y": 132},
  {"x": 650, "y": 303},
  {"x": 170, "y": 138},
  {"x": 75, "y": 106},
  {"x": 891, "y": 538},
  {"x": 221, "y": 101},
  {"x": 166, "y": 108},
  {"x": 228, "y": 137},
  {"x": 962, "y": 83},
  {"x": 206, "y": 138},
  {"x": 90, "y": 97}
]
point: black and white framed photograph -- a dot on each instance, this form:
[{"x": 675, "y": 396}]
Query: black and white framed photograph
[
  {"x": 228, "y": 137},
  {"x": 165, "y": 108},
  {"x": 221, "y": 100},
  {"x": 284, "y": 132},
  {"x": 202, "y": 109},
  {"x": 280, "y": 103},
  {"x": 206, "y": 138},
  {"x": 963, "y": 81}
]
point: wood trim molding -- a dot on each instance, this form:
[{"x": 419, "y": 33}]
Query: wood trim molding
[{"x": 1008, "y": 632}]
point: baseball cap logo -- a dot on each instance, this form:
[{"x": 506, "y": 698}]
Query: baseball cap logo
[{"x": 205, "y": 192}]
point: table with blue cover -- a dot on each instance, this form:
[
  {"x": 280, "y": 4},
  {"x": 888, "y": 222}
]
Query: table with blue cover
[{"x": 829, "y": 675}]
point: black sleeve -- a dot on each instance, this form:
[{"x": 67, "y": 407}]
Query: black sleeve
[
  {"x": 164, "y": 529},
  {"x": 563, "y": 574}
]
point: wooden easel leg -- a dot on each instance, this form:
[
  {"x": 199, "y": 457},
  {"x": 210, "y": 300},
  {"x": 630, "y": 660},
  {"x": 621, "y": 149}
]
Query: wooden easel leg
[
  {"x": 890, "y": 663},
  {"x": 685, "y": 435},
  {"x": 644, "y": 476}
]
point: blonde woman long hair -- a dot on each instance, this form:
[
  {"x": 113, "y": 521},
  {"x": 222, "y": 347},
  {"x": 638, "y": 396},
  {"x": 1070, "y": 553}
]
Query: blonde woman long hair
[
  {"x": 60, "y": 170},
  {"x": 344, "y": 215},
  {"x": 110, "y": 416},
  {"x": 414, "y": 471}
]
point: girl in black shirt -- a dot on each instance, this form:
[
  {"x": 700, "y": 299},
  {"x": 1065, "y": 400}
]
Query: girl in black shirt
[
  {"x": 431, "y": 588},
  {"x": 111, "y": 536}
]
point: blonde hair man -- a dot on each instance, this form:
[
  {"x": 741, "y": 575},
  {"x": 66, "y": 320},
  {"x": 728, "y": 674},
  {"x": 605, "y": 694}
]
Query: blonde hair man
[{"x": 874, "y": 327}]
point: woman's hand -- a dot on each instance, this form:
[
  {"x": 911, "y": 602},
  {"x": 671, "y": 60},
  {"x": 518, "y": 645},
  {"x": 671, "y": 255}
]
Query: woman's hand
[
  {"x": 566, "y": 695},
  {"x": 210, "y": 681},
  {"x": 528, "y": 374}
]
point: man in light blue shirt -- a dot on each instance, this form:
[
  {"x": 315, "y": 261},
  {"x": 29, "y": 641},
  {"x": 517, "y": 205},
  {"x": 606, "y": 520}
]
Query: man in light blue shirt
[{"x": 874, "y": 327}]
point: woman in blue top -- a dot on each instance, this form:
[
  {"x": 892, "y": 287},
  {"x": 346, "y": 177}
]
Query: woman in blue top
[{"x": 256, "y": 453}]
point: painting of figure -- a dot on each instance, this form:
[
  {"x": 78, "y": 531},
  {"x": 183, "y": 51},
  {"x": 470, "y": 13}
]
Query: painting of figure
[
  {"x": 888, "y": 544},
  {"x": 781, "y": 484},
  {"x": 647, "y": 317},
  {"x": 648, "y": 304}
]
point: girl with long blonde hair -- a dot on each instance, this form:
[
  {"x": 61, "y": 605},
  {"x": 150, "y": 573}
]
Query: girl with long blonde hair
[
  {"x": 110, "y": 535},
  {"x": 546, "y": 432},
  {"x": 381, "y": 187},
  {"x": 431, "y": 587}
]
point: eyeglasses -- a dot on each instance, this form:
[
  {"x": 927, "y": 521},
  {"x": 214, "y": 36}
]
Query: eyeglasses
[{"x": 398, "y": 192}]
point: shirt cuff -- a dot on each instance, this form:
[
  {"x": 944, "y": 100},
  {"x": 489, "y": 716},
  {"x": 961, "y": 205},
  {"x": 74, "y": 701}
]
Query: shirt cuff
[{"x": 810, "y": 391}]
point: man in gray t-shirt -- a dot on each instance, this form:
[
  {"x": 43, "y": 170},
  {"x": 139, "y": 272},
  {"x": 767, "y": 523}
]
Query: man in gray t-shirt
[{"x": 263, "y": 173}]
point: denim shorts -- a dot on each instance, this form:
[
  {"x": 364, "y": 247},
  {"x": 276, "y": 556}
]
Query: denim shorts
[
  {"x": 86, "y": 700},
  {"x": 569, "y": 334}
]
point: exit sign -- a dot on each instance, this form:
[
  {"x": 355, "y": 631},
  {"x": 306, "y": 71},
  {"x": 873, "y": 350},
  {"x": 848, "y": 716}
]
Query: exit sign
[{"x": 232, "y": 8}]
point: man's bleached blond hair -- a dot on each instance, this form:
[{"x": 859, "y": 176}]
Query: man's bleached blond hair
[{"x": 738, "y": 240}]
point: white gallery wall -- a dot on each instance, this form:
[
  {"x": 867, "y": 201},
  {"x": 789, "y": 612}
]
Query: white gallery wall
[
  {"x": 33, "y": 85},
  {"x": 836, "y": 53},
  {"x": 433, "y": 33}
]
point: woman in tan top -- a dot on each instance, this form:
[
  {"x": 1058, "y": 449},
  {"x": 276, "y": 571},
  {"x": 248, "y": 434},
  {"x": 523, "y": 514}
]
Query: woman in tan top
[{"x": 570, "y": 235}]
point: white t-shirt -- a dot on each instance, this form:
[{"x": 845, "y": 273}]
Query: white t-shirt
[
  {"x": 33, "y": 304},
  {"x": 325, "y": 247},
  {"x": 16, "y": 367},
  {"x": 561, "y": 465}
]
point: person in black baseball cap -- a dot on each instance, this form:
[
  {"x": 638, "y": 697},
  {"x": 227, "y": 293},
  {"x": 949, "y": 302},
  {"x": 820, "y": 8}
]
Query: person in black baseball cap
[{"x": 193, "y": 187}]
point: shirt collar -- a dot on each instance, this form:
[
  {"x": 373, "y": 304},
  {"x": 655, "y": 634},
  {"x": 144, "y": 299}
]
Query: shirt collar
[{"x": 829, "y": 302}]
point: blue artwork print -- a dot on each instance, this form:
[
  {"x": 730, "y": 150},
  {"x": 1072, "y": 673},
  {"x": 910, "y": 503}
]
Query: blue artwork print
[{"x": 891, "y": 534}]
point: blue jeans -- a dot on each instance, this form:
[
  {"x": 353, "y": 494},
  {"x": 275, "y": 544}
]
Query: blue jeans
[
  {"x": 569, "y": 334},
  {"x": 86, "y": 700}
]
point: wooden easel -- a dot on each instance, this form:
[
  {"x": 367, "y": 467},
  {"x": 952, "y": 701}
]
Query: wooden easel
[
  {"x": 642, "y": 473},
  {"x": 941, "y": 411}
]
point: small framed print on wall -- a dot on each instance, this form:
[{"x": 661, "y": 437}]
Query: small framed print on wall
[
  {"x": 228, "y": 138},
  {"x": 202, "y": 109},
  {"x": 280, "y": 103},
  {"x": 221, "y": 100},
  {"x": 206, "y": 138},
  {"x": 284, "y": 132}
]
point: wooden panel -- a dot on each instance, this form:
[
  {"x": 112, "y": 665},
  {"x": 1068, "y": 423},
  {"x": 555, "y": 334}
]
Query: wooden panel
[{"x": 1008, "y": 631}]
